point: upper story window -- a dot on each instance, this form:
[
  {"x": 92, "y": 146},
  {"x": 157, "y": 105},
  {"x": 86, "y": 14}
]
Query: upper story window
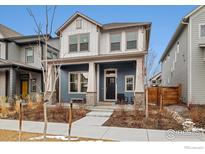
[
  {"x": 51, "y": 55},
  {"x": 29, "y": 54},
  {"x": 202, "y": 30},
  {"x": 84, "y": 42},
  {"x": 131, "y": 40},
  {"x": 73, "y": 43},
  {"x": 79, "y": 42},
  {"x": 78, "y": 23},
  {"x": 115, "y": 42}
]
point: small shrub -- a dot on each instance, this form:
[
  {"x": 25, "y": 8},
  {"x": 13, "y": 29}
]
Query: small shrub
[
  {"x": 195, "y": 114},
  {"x": 3, "y": 105}
]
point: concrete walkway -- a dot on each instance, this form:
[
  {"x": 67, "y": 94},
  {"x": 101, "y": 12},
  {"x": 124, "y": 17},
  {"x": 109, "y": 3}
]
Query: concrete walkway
[{"x": 92, "y": 129}]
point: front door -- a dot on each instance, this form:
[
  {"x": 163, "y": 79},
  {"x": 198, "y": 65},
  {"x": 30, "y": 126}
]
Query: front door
[
  {"x": 24, "y": 88},
  {"x": 110, "y": 84},
  {"x": 110, "y": 88}
]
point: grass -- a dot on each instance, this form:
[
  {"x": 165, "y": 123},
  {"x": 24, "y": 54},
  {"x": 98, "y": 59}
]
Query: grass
[
  {"x": 8, "y": 135},
  {"x": 136, "y": 119}
]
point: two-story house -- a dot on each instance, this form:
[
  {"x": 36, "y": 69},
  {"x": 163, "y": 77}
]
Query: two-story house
[
  {"x": 183, "y": 61},
  {"x": 20, "y": 62},
  {"x": 102, "y": 62}
]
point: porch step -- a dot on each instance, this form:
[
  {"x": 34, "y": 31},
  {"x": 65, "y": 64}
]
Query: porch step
[
  {"x": 99, "y": 114},
  {"x": 101, "y": 110}
]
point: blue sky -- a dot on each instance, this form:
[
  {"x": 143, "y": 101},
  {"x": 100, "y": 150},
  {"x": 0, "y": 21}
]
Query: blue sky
[{"x": 164, "y": 18}]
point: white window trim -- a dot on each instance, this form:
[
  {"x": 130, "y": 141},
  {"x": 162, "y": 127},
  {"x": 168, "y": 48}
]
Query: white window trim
[
  {"x": 112, "y": 75},
  {"x": 79, "y": 83},
  {"x": 78, "y": 43},
  {"x": 26, "y": 55},
  {"x": 120, "y": 41},
  {"x": 129, "y": 76},
  {"x": 137, "y": 34},
  {"x": 201, "y": 37}
]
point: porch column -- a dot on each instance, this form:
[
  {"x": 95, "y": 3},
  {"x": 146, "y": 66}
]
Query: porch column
[
  {"x": 139, "y": 83},
  {"x": 12, "y": 83},
  {"x": 91, "y": 96}
]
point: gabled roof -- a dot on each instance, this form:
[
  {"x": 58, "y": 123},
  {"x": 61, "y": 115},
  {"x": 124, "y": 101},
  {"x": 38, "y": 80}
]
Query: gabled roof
[
  {"x": 28, "y": 39},
  {"x": 8, "y": 32},
  {"x": 123, "y": 25},
  {"x": 179, "y": 29},
  {"x": 108, "y": 26},
  {"x": 73, "y": 17}
]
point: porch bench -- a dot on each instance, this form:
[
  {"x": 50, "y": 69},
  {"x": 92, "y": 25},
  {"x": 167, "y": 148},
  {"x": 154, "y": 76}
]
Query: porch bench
[{"x": 78, "y": 100}]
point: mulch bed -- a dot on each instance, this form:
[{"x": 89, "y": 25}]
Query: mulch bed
[
  {"x": 136, "y": 119},
  {"x": 55, "y": 114}
]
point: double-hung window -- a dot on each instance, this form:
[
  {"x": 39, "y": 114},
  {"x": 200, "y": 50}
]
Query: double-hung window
[
  {"x": 29, "y": 55},
  {"x": 84, "y": 42},
  {"x": 115, "y": 42},
  {"x": 131, "y": 40},
  {"x": 79, "y": 42},
  {"x": 33, "y": 85},
  {"x": 78, "y": 82},
  {"x": 202, "y": 30},
  {"x": 73, "y": 43},
  {"x": 129, "y": 83}
]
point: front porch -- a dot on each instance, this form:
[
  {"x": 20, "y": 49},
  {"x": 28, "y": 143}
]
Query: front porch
[
  {"x": 19, "y": 80},
  {"x": 94, "y": 83}
]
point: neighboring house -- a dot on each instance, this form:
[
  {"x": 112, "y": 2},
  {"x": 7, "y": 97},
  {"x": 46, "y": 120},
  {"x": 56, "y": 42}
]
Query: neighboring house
[
  {"x": 102, "y": 62},
  {"x": 183, "y": 61},
  {"x": 155, "y": 80},
  {"x": 20, "y": 62}
]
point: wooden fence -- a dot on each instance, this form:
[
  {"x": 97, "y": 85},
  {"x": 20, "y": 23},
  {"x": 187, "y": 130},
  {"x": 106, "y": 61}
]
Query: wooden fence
[{"x": 167, "y": 95}]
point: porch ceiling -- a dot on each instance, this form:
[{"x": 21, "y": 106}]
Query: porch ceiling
[{"x": 97, "y": 58}]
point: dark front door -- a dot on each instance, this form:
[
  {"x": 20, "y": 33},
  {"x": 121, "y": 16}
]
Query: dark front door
[{"x": 110, "y": 88}]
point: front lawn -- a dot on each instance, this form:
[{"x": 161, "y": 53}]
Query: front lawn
[
  {"x": 136, "y": 119},
  {"x": 8, "y": 135},
  {"x": 55, "y": 114}
]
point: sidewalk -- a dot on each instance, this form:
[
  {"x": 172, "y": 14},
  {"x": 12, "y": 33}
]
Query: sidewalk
[{"x": 93, "y": 130}]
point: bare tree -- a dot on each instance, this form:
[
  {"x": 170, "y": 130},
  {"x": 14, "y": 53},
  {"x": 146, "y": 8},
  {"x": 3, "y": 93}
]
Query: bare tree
[{"x": 50, "y": 69}]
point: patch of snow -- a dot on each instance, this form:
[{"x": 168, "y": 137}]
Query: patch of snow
[{"x": 63, "y": 138}]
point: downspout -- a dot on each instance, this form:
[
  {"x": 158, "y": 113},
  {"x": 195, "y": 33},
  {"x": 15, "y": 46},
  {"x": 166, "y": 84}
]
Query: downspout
[{"x": 189, "y": 61}]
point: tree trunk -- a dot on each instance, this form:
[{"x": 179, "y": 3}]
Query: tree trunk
[
  {"x": 45, "y": 120},
  {"x": 20, "y": 120},
  {"x": 70, "y": 120}
]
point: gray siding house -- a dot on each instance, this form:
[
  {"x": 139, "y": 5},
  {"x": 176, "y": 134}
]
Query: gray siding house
[
  {"x": 20, "y": 62},
  {"x": 183, "y": 61},
  {"x": 102, "y": 62}
]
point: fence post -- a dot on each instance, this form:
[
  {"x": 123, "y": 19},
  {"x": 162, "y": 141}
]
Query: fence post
[{"x": 161, "y": 99}]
